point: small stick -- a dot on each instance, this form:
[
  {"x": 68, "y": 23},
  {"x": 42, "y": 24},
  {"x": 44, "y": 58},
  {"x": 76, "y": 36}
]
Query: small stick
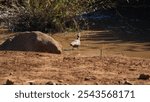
[{"x": 101, "y": 52}]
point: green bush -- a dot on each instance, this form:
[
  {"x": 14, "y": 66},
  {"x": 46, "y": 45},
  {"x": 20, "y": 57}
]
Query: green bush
[{"x": 52, "y": 15}]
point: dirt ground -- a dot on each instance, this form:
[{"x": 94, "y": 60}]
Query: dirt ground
[{"x": 102, "y": 59}]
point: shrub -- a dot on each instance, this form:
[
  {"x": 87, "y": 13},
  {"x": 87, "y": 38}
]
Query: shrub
[{"x": 52, "y": 15}]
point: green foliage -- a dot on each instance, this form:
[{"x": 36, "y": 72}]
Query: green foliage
[{"x": 53, "y": 15}]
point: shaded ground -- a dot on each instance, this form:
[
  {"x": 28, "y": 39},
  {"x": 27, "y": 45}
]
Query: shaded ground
[
  {"x": 108, "y": 42},
  {"x": 103, "y": 58}
]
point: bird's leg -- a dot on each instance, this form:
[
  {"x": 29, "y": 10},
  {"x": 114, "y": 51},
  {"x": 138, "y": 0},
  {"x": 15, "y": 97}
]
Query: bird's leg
[{"x": 72, "y": 48}]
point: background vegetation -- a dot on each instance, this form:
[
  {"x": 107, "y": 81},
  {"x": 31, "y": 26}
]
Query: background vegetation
[
  {"x": 57, "y": 15},
  {"x": 51, "y": 15}
]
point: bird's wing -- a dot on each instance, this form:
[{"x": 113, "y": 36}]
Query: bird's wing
[{"x": 75, "y": 42}]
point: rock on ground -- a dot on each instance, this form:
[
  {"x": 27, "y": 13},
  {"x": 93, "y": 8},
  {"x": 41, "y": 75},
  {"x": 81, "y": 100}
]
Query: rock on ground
[{"x": 32, "y": 41}]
